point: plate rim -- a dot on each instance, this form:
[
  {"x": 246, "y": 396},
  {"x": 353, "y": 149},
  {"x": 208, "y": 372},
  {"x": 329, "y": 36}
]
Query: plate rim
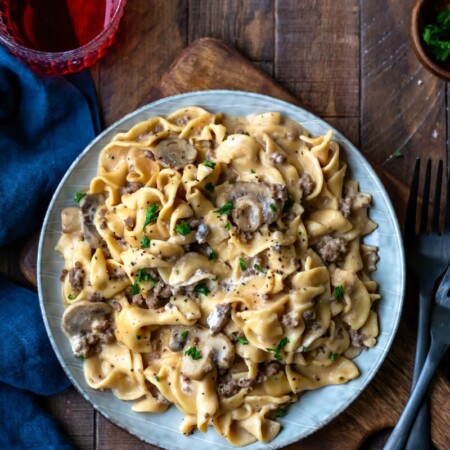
[{"x": 273, "y": 101}]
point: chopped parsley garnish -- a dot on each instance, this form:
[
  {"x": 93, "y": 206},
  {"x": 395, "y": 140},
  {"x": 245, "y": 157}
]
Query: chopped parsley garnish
[
  {"x": 289, "y": 203},
  {"x": 156, "y": 378},
  {"x": 338, "y": 292},
  {"x": 280, "y": 412},
  {"x": 209, "y": 186},
  {"x": 145, "y": 242},
  {"x": 246, "y": 133},
  {"x": 242, "y": 264},
  {"x": 78, "y": 196},
  {"x": 183, "y": 228},
  {"x": 81, "y": 357},
  {"x": 242, "y": 340},
  {"x": 142, "y": 276},
  {"x": 226, "y": 208},
  {"x": 398, "y": 154},
  {"x": 304, "y": 349},
  {"x": 334, "y": 356},
  {"x": 184, "y": 334},
  {"x": 135, "y": 289},
  {"x": 210, "y": 164},
  {"x": 252, "y": 171},
  {"x": 259, "y": 268},
  {"x": 194, "y": 353},
  {"x": 273, "y": 207},
  {"x": 72, "y": 296},
  {"x": 227, "y": 226},
  {"x": 279, "y": 347},
  {"x": 437, "y": 36},
  {"x": 212, "y": 255},
  {"x": 151, "y": 214},
  {"x": 202, "y": 289},
  {"x": 138, "y": 337}
]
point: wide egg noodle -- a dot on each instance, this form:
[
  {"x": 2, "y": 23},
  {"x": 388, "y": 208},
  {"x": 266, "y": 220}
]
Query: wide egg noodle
[{"x": 296, "y": 290}]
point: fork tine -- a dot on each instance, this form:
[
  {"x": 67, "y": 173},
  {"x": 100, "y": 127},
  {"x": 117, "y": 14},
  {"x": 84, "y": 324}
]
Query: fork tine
[
  {"x": 447, "y": 210},
  {"x": 411, "y": 209},
  {"x": 425, "y": 199},
  {"x": 437, "y": 200}
]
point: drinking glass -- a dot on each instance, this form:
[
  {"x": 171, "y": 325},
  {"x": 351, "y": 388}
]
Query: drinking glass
[{"x": 59, "y": 36}]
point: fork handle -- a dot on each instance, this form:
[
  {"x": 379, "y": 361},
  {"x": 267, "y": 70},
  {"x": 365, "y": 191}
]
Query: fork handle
[
  {"x": 423, "y": 329},
  {"x": 400, "y": 433},
  {"x": 420, "y": 436}
]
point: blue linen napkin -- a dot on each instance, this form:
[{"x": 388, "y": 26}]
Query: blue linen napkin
[{"x": 45, "y": 122}]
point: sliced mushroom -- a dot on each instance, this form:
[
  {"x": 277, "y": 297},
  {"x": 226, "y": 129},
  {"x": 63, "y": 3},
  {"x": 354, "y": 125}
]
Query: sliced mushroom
[
  {"x": 88, "y": 324},
  {"x": 211, "y": 350},
  {"x": 219, "y": 317},
  {"x": 247, "y": 213},
  {"x": 175, "y": 153},
  {"x": 253, "y": 204},
  {"x": 89, "y": 205},
  {"x": 177, "y": 339},
  {"x": 71, "y": 220}
]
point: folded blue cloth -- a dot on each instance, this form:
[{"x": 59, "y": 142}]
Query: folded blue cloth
[{"x": 45, "y": 121}]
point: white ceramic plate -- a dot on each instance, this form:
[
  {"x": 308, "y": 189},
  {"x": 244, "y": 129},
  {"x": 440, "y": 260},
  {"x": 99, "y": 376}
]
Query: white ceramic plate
[{"x": 315, "y": 408}]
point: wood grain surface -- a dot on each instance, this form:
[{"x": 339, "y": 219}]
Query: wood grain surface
[{"x": 348, "y": 61}]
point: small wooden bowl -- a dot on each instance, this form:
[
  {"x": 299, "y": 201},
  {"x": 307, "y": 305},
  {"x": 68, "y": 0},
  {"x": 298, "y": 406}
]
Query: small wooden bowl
[{"x": 423, "y": 13}]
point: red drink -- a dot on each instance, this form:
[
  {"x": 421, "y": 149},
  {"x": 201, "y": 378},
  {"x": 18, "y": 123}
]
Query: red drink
[
  {"x": 57, "y": 25},
  {"x": 59, "y": 36}
]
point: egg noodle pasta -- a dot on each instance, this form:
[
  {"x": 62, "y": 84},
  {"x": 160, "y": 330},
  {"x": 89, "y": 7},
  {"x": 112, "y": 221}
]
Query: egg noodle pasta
[{"x": 216, "y": 263}]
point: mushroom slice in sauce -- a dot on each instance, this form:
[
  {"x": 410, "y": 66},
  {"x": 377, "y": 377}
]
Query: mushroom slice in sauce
[
  {"x": 213, "y": 350},
  {"x": 89, "y": 205},
  {"x": 219, "y": 317},
  {"x": 247, "y": 213},
  {"x": 71, "y": 220},
  {"x": 175, "y": 153},
  {"x": 87, "y": 324},
  {"x": 253, "y": 204}
]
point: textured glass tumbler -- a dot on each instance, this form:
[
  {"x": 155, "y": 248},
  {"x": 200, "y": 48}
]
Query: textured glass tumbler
[{"x": 59, "y": 36}]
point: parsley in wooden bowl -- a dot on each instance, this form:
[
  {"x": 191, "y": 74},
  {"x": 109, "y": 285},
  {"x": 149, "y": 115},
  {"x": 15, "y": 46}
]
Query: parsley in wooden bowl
[{"x": 430, "y": 35}]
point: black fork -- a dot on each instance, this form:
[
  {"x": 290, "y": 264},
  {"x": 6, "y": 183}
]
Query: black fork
[{"x": 428, "y": 255}]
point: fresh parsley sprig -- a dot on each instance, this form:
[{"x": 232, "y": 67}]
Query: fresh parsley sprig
[
  {"x": 142, "y": 276},
  {"x": 183, "y": 228},
  {"x": 209, "y": 186},
  {"x": 338, "y": 292},
  {"x": 194, "y": 353},
  {"x": 202, "y": 289},
  {"x": 437, "y": 36},
  {"x": 242, "y": 340},
  {"x": 279, "y": 347},
  {"x": 145, "y": 242},
  {"x": 78, "y": 196},
  {"x": 209, "y": 164},
  {"x": 151, "y": 214},
  {"x": 226, "y": 208},
  {"x": 259, "y": 268}
]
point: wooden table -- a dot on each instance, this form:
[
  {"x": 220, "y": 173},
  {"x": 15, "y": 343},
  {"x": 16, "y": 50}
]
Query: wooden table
[{"x": 348, "y": 61}]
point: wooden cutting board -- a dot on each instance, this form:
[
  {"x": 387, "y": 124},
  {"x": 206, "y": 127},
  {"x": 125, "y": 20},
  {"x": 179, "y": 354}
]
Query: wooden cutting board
[{"x": 210, "y": 64}]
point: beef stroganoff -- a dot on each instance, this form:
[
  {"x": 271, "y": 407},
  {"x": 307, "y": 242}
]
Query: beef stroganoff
[{"x": 216, "y": 263}]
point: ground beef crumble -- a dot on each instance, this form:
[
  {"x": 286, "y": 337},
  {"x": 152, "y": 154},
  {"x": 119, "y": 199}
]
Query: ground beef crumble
[
  {"x": 76, "y": 277},
  {"x": 306, "y": 183},
  {"x": 331, "y": 248}
]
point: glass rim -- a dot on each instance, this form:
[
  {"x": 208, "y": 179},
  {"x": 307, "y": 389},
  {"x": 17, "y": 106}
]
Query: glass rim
[{"x": 33, "y": 54}]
